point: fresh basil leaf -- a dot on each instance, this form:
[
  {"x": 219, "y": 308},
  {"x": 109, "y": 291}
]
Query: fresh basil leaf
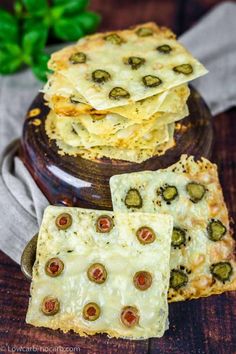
[
  {"x": 10, "y": 58},
  {"x": 71, "y": 7},
  {"x": 36, "y": 7},
  {"x": 89, "y": 21},
  {"x": 39, "y": 66},
  {"x": 35, "y": 23},
  {"x": 18, "y": 8},
  {"x": 8, "y": 27},
  {"x": 34, "y": 42},
  {"x": 68, "y": 29}
]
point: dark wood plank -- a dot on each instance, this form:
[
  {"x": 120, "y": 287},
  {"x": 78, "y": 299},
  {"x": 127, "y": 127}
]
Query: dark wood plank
[
  {"x": 207, "y": 325},
  {"x": 15, "y": 333}
]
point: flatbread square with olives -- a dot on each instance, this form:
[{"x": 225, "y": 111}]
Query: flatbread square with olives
[
  {"x": 65, "y": 100},
  {"x": 202, "y": 258},
  {"x": 122, "y": 67},
  {"x": 101, "y": 272}
]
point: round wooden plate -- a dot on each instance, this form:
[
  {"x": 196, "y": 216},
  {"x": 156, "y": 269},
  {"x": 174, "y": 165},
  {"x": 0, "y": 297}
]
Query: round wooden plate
[{"x": 75, "y": 181}]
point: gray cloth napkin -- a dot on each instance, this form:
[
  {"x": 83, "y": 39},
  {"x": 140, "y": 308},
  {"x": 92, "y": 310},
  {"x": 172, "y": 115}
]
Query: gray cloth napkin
[{"x": 212, "y": 41}]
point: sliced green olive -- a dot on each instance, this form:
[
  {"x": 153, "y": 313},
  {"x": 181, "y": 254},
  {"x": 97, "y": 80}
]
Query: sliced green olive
[
  {"x": 133, "y": 199},
  {"x": 144, "y": 32},
  {"x": 74, "y": 99},
  {"x": 169, "y": 193},
  {"x": 151, "y": 81},
  {"x": 91, "y": 311},
  {"x": 221, "y": 271},
  {"x": 178, "y": 237},
  {"x": 63, "y": 221},
  {"x": 178, "y": 279},
  {"x": 97, "y": 273},
  {"x": 114, "y": 38},
  {"x": 54, "y": 267},
  {"x": 185, "y": 69},
  {"x": 135, "y": 62},
  {"x": 145, "y": 235},
  {"x": 129, "y": 316},
  {"x": 118, "y": 93},
  {"x": 104, "y": 224},
  {"x": 50, "y": 305},
  {"x": 165, "y": 49},
  {"x": 100, "y": 76},
  {"x": 142, "y": 280},
  {"x": 216, "y": 230},
  {"x": 78, "y": 58},
  {"x": 196, "y": 191}
]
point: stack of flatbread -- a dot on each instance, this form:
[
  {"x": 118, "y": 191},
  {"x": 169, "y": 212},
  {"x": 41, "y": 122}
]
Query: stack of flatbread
[{"x": 119, "y": 94}]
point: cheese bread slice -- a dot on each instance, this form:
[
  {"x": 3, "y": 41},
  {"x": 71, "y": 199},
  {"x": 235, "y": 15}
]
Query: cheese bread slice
[
  {"x": 100, "y": 272},
  {"x": 202, "y": 253},
  {"x": 122, "y": 67}
]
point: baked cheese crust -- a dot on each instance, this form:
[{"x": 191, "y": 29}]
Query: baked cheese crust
[
  {"x": 202, "y": 262},
  {"x": 136, "y": 154},
  {"x": 77, "y": 245}
]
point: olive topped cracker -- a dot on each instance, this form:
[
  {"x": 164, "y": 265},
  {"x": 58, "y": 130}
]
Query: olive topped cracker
[
  {"x": 202, "y": 259},
  {"x": 96, "y": 277},
  {"x": 141, "y": 46}
]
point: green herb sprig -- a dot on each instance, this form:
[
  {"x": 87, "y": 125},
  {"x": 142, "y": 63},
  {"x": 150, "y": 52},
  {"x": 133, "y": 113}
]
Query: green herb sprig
[{"x": 24, "y": 34}]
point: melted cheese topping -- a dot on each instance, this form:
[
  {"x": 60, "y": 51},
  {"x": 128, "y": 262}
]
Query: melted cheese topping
[
  {"x": 119, "y": 251},
  {"x": 199, "y": 253}
]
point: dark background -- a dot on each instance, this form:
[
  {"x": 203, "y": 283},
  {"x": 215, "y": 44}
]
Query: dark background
[{"x": 207, "y": 325}]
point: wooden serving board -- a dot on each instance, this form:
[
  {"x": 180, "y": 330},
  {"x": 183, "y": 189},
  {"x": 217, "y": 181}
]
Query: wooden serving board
[{"x": 75, "y": 181}]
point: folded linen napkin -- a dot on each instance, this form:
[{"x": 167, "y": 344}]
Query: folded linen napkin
[{"x": 212, "y": 41}]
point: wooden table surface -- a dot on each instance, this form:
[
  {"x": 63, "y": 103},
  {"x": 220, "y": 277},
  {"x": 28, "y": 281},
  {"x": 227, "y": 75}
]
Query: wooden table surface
[{"x": 200, "y": 326}]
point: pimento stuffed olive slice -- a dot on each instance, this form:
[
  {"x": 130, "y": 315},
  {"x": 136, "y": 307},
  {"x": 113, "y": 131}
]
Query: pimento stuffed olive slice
[
  {"x": 196, "y": 191},
  {"x": 104, "y": 224},
  {"x": 178, "y": 279},
  {"x": 50, "y": 305},
  {"x": 97, "y": 273},
  {"x": 63, "y": 221},
  {"x": 91, "y": 311},
  {"x": 129, "y": 316},
  {"x": 145, "y": 235},
  {"x": 221, "y": 271},
  {"x": 54, "y": 267},
  {"x": 142, "y": 280},
  {"x": 216, "y": 230}
]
